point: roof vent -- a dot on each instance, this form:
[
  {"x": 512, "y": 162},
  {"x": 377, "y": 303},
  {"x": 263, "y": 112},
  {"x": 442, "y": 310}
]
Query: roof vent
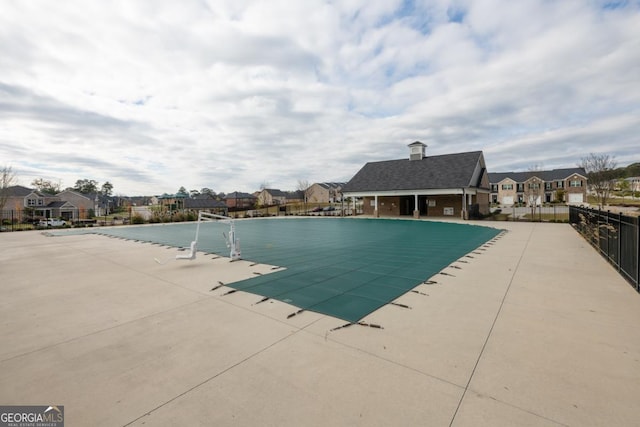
[{"x": 416, "y": 150}]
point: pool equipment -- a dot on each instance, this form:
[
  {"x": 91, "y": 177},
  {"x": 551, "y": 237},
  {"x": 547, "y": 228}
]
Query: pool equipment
[{"x": 233, "y": 243}]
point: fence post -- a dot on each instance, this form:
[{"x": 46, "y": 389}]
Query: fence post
[
  {"x": 619, "y": 260},
  {"x": 637, "y": 221},
  {"x": 608, "y": 236}
]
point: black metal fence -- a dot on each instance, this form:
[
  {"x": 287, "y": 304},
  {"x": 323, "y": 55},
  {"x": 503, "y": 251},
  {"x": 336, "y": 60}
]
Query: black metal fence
[
  {"x": 616, "y": 236},
  {"x": 23, "y": 219}
]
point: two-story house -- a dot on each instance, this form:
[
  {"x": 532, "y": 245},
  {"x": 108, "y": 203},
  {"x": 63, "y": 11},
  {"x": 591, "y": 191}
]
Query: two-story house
[
  {"x": 537, "y": 187},
  {"x": 325, "y": 192},
  {"x": 239, "y": 200}
]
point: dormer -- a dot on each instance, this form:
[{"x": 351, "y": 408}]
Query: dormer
[{"x": 417, "y": 150}]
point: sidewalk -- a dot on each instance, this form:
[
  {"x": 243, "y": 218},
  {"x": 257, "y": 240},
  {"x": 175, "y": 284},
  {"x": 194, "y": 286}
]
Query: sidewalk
[{"x": 535, "y": 330}]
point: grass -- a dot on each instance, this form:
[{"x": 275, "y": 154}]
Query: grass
[
  {"x": 615, "y": 201},
  {"x": 559, "y": 217}
]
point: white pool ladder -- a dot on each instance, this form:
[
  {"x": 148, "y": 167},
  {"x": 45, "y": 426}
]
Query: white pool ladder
[{"x": 233, "y": 243}]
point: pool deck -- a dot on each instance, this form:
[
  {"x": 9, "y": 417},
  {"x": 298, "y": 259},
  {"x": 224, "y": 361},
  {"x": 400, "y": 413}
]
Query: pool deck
[{"x": 535, "y": 330}]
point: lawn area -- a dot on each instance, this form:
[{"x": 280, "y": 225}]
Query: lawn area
[{"x": 558, "y": 217}]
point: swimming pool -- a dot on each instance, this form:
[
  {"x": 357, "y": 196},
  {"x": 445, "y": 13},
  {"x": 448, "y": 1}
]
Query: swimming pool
[{"x": 342, "y": 267}]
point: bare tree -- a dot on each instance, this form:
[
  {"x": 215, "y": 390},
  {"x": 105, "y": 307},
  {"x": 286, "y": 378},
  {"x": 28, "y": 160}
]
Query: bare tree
[
  {"x": 7, "y": 178},
  {"x": 534, "y": 188},
  {"x": 305, "y": 188},
  {"x": 600, "y": 169}
]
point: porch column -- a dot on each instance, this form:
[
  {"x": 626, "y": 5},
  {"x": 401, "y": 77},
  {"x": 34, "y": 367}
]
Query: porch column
[
  {"x": 416, "y": 210},
  {"x": 463, "y": 212},
  {"x": 376, "y": 213}
]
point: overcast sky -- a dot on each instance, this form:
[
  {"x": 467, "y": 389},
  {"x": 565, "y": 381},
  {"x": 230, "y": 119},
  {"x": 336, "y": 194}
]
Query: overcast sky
[{"x": 230, "y": 95}]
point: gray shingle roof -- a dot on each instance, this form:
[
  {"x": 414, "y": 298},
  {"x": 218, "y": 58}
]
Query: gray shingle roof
[
  {"x": 275, "y": 192},
  {"x": 203, "y": 203},
  {"x": 432, "y": 172},
  {"x": 331, "y": 184},
  {"x": 58, "y": 204},
  {"x": 549, "y": 175},
  {"x": 18, "y": 191},
  {"x": 239, "y": 195}
]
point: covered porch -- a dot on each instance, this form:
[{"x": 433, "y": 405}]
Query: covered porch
[{"x": 461, "y": 203}]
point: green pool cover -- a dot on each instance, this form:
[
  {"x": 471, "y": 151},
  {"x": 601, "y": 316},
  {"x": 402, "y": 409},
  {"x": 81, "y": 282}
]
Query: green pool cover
[{"x": 342, "y": 267}]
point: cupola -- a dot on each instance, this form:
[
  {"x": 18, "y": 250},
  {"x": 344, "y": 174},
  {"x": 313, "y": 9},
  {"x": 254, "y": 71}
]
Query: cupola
[{"x": 416, "y": 150}]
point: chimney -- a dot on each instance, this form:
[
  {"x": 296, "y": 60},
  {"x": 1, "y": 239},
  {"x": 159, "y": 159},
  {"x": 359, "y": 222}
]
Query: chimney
[{"x": 416, "y": 151}]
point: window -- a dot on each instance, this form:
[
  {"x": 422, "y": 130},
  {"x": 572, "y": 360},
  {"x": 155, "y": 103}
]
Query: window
[
  {"x": 507, "y": 186},
  {"x": 575, "y": 183},
  {"x": 547, "y": 185},
  {"x": 520, "y": 187},
  {"x": 534, "y": 186},
  {"x": 560, "y": 184},
  {"x": 31, "y": 202}
]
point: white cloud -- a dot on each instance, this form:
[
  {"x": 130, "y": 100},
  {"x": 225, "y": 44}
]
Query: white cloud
[{"x": 152, "y": 96}]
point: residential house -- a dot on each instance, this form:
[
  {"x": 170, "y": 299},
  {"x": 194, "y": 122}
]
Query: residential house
[
  {"x": 421, "y": 185},
  {"x": 295, "y": 196},
  {"x": 14, "y": 203},
  {"x": 238, "y": 200},
  {"x": 85, "y": 203},
  {"x": 537, "y": 187},
  {"x": 325, "y": 192},
  {"x": 68, "y": 204},
  {"x": 206, "y": 203},
  {"x": 634, "y": 183},
  {"x": 271, "y": 196},
  {"x": 49, "y": 206},
  {"x": 172, "y": 202}
]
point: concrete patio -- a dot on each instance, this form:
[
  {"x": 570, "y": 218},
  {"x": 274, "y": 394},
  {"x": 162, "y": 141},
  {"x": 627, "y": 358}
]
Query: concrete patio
[{"x": 535, "y": 329}]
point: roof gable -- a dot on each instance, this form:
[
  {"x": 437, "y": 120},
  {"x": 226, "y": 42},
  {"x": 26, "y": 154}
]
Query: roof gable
[{"x": 431, "y": 172}]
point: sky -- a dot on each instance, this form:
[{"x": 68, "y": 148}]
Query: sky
[{"x": 235, "y": 95}]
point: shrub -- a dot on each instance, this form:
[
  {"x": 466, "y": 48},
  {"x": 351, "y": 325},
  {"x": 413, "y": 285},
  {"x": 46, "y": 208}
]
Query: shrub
[{"x": 137, "y": 219}]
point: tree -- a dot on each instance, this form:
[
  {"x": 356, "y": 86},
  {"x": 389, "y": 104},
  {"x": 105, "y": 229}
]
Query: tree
[
  {"x": 534, "y": 188},
  {"x": 208, "y": 192},
  {"x": 86, "y": 186},
  {"x": 600, "y": 169},
  {"x": 194, "y": 193},
  {"x": 182, "y": 192},
  {"x": 305, "y": 188},
  {"x": 107, "y": 189},
  {"x": 7, "y": 178},
  {"x": 45, "y": 186}
]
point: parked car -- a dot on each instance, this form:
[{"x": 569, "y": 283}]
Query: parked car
[
  {"x": 52, "y": 222},
  {"x": 329, "y": 208}
]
